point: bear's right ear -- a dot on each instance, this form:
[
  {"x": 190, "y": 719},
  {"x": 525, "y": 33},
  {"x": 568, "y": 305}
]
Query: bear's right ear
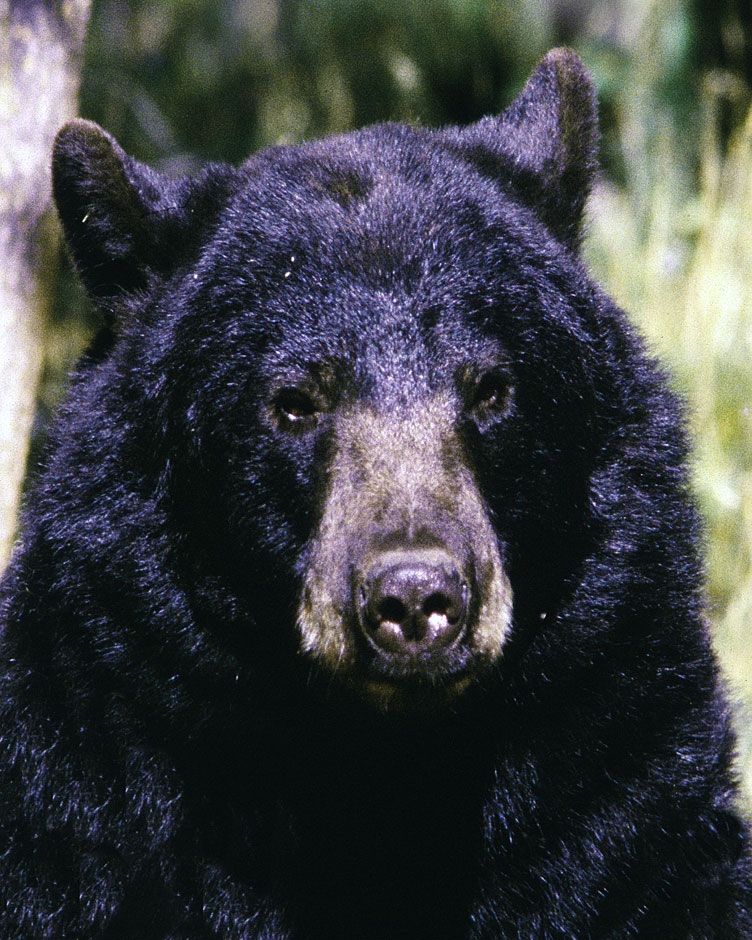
[
  {"x": 123, "y": 222},
  {"x": 545, "y": 143}
]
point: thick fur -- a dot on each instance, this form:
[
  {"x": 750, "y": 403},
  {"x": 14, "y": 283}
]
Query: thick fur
[{"x": 197, "y": 739}]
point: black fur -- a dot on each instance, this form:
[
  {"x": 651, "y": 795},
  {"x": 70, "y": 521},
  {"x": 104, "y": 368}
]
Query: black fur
[{"x": 172, "y": 765}]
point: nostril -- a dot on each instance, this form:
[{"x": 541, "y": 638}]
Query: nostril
[
  {"x": 439, "y": 604},
  {"x": 439, "y": 614},
  {"x": 393, "y": 610}
]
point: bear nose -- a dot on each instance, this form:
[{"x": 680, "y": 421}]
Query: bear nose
[{"x": 413, "y": 601}]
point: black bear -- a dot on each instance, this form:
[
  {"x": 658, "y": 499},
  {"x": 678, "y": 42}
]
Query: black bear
[{"x": 359, "y": 596}]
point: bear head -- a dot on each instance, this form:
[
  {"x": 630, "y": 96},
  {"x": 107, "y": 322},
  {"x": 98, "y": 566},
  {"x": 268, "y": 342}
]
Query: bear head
[{"x": 354, "y": 378}]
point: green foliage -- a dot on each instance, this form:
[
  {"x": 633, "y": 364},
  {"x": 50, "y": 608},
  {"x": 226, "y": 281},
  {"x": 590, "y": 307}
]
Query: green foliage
[{"x": 183, "y": 81}]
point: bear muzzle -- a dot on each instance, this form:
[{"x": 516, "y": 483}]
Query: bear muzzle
[{"x": 404, "y": 588}]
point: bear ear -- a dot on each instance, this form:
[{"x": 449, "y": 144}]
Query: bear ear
[
  {"x": 548, "y": 141},
  {"x": 123, "y": 222}
]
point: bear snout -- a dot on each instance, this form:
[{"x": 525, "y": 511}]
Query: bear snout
[
  {"x": 412, "y": 601},
  {"x": 404, "y": 583}
]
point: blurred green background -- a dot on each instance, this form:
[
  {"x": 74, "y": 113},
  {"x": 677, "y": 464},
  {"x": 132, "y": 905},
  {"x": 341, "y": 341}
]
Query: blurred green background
[{"x": 180, "y": 82}]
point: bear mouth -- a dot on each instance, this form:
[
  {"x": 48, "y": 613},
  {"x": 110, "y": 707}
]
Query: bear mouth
[
  {"x": 415, "y": 680},
  {"x": 420, "y": 690}
]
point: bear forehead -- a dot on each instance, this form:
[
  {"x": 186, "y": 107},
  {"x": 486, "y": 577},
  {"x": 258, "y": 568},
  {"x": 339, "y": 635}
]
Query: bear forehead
[
  {"x": 383, "y": 247},
  {"x": 339, "y": 234},
  {"x": 386, "y": 191}
]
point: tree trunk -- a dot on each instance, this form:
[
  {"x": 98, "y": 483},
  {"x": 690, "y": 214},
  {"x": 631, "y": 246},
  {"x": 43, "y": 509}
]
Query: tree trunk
[{"x": 41, "y": 47}]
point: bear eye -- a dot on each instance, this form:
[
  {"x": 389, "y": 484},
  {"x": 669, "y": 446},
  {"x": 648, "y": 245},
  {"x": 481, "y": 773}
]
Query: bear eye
[
  {"x": 295, "y": 409},
  {"x": 491, "y": 398}
]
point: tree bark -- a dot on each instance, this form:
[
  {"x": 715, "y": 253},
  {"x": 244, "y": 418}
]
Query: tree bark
[{"x": 41, "y": 49}]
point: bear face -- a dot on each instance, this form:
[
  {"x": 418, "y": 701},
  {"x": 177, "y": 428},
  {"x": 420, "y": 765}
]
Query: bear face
[{"x": 344, "y": 378}]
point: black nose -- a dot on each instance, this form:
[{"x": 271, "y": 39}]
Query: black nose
[{"x": 413, "y": 601}]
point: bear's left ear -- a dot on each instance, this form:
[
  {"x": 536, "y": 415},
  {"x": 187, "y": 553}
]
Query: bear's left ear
[
  {"x": 546, "y": 141},
  {"x": 123, "y": 222}
]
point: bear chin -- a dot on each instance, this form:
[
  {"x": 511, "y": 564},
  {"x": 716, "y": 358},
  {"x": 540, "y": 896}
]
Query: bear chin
[
  {"x": 419, "y": 685},
  {"x": 418, "y": 698}
]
